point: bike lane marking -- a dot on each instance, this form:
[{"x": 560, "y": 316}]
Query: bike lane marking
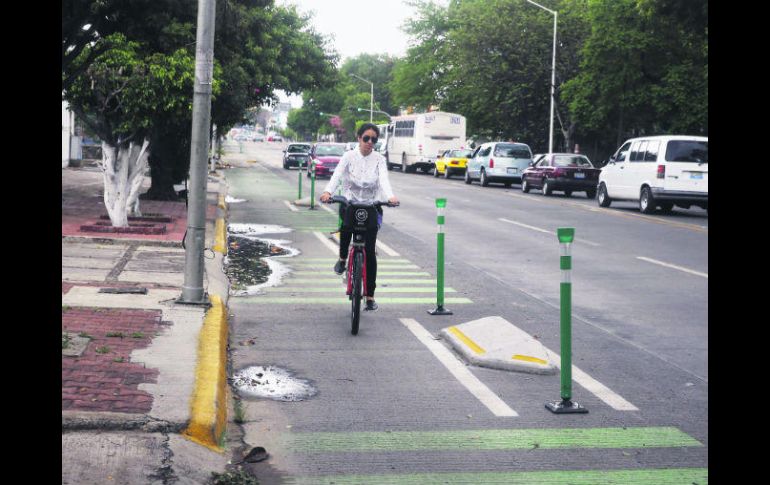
[
  {"x": 334, "y": 249},
  {"x": 496, "y": 405}
]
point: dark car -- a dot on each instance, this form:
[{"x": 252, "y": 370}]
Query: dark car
[
  {"x": 296, "y": 154},
  {"x": 325, "y": 157},
  {"x": 568, "y": 172}
]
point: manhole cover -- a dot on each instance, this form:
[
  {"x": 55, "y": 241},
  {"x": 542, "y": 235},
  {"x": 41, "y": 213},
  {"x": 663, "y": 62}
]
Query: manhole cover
[{"x": 273, "y": 383}]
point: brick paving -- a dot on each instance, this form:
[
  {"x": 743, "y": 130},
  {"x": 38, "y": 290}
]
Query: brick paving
[{"x": 103, "y": 378}]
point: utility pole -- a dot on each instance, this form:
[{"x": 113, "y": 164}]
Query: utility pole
[{"x": 195, "y": 238}]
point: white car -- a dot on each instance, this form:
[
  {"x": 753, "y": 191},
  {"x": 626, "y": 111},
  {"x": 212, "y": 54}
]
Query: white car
[
  {"x": 499, "y": 161},
  {"x": 658, "y": 171}
]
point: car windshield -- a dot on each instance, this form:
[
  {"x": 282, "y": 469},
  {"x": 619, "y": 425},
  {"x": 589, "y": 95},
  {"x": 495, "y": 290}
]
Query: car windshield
[
  {"x": 459, "y": 154},
  {"x": 570, "y": 161},
  {"x": 298, "y": 149},
  {"x": 512, "y": 151},
  {"x": 329, "y": 150},
  {"x": 687, "y": 151}
]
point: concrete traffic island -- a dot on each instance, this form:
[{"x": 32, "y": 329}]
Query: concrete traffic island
[{"x": 496, "y": 343}]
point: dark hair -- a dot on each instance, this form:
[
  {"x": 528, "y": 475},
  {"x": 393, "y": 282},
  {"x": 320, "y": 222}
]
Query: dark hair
[{"x": 368, "y": 126}]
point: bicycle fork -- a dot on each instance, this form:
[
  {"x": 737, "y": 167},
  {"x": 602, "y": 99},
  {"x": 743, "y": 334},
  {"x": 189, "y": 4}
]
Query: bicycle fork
[{"x": 351, "y": 257}]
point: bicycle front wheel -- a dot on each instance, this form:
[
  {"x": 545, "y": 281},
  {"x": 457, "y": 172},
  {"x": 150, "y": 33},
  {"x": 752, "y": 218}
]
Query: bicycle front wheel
[{"x": 355, "y": 314}]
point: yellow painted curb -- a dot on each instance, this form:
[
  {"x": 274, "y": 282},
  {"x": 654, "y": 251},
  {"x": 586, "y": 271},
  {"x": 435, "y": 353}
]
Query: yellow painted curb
[
  {"x": 221, "y": 202},
  {"x": 208, "y": 409},
  {"x": 219, "y": 233},
  {"x": 470, "y": 343}
]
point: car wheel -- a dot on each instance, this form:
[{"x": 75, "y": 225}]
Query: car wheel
[
  {"x": 435, "y": 172},
  {"x": 285, "y": 166},
  {"x": 591, "y": 193},
  {"x": 567, "y": 193},
  {"x": 547, "y": 189},
  {"x": 646, "y": 201},
  {"x": 447, "y": 173},
  {"x": 525, "y": 186},
  {"x": 507, "y": 185},
  {"x": 468, "y": 177},
  {"x": 604, "y": 199},
  {"x": 483, "y": 180},
  {"x": 390, "y": 166}
]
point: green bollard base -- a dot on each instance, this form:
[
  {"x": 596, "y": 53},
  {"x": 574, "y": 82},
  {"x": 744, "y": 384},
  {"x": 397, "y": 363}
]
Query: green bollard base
[
  {"x": 565, "y": 406},
  {"x": 440, "y": 311}
]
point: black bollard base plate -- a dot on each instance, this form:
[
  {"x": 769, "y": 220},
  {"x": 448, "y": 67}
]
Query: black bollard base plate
[
  {"x": 440, "y": 311},
  {"x": 565, "y": 406}
]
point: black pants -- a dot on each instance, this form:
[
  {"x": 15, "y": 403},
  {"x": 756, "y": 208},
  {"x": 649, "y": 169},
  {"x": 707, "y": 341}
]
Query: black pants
[{"x": 371, "y": 258}]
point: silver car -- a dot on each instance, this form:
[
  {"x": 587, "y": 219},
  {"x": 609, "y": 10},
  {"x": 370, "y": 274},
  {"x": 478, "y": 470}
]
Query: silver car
[{"x": 498, "y": 161}]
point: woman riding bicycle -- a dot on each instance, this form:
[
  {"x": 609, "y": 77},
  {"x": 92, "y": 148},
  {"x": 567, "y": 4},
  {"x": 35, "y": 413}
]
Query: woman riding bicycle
[{"x": 363, "y": 174}]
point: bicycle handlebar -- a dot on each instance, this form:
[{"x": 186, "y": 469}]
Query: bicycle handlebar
[{"x": 340, "y": 199}]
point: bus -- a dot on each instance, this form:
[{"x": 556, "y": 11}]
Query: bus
[{"x": 416, "y": 140}]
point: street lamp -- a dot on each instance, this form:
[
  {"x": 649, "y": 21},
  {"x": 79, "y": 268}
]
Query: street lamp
[
  {"x": 371, "y": 103},
  {"x": 553, "y": 73},
  {"x": 375, "y": 111}
]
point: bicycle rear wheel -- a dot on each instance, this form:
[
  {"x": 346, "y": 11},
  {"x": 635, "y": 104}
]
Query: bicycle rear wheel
[{"x": 358, "y": 267}]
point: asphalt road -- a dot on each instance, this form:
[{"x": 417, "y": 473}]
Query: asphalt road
[{"x": 386, "y": 408}]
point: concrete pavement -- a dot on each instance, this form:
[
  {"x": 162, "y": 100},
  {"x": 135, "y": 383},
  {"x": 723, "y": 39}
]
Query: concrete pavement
[{"x": 144, "y": 394}]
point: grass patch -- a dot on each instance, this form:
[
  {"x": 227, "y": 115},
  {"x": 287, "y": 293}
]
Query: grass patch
[
  {"x": 119, "y": 360},
  {"x": 238, "y": 410},
  {"x": 102, "y": 350},
  {"x": 65, "y": 341},
  {"x": 115, "y": 334},
  {"x": 85, "y": 335},
  {"x": 137, "y": 335}
]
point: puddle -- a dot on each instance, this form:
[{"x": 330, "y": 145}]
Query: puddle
[
  {"x": 233, "y": 200},
  {"x": 252, "y": 263},
  {"x": 273, "y": 383}
]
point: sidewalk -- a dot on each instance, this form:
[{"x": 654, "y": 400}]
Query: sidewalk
[{"x": 143, "y": 377}]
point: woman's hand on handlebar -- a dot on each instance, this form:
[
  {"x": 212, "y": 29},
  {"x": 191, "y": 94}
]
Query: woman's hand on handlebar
[
  {"x": 325, "y": 197},
  {"x": 393, "y": 201}
]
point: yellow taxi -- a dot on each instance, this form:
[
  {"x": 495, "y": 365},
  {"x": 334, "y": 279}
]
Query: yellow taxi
[{"x": 452, "y": 162}]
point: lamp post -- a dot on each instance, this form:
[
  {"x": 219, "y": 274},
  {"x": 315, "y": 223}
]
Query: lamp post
[
  {"x": 553, "y": 72},
  {"x": 371, "y": 102}
]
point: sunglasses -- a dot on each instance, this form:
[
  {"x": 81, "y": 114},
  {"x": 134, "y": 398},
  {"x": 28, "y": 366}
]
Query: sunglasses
[{"x": 367, "y": 138}]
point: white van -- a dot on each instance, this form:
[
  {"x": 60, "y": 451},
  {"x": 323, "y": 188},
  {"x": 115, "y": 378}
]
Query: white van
[
  {"x": 417, "y": 140},
  {"x": 658, "y": 171},
  {"x": 498, "y": 161}
]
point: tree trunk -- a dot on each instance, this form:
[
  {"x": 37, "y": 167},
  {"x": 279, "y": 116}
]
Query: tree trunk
[{"x": 123, "y": 167}]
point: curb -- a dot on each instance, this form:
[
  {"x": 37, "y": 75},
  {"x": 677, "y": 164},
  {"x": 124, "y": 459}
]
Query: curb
[
  {"x": 208, "y": 409},
  {"x": 219, "y": 234}
]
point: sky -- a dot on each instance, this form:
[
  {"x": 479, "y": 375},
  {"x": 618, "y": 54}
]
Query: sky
[{"x": 357, "y": 26}]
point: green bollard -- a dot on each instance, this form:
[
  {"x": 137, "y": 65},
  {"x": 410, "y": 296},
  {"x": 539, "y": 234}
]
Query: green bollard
[
  {"x": 312, "y": 189},
  {"x": 299, "y": 179},
  {"x": 440, "y": 310},
  {"x": 566, "y": 406}
]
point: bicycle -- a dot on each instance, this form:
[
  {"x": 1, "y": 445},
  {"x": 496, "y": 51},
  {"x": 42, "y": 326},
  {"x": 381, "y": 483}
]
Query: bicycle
[{"x": 359, "y": 217}]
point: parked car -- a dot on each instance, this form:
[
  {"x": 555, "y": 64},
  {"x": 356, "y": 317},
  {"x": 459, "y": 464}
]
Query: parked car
[
  {"x": 499, "y": 161},
  {"x": 568, "y": 172},
  {"x": 658, "y": 171},
  {"x": 452, "y": 162},
  {"x": 296, "y": 154},
  {"x": 324, "y": 158}
]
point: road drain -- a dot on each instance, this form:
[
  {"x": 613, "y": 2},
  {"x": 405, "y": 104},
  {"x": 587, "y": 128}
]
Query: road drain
[{"x": 272, "y": 383}]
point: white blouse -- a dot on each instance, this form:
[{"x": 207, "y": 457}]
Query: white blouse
[{"x": 362, "y": 177}]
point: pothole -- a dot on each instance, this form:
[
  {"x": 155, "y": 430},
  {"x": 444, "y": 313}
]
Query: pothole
[
  {"x": 251, "y": 263},
  {"x": 272, "y": 383}
]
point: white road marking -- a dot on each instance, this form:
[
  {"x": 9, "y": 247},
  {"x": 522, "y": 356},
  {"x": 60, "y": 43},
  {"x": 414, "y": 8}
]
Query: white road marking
[
  {"x": 595, "y": 387},
  {"x": 669, "y": 265},
  {"x": 459, "y": 370},
  {"x": 545, "y": 231},
  {"x": 327, "y": 208},
  {"x": 334, "y": 249},
  {"x": 388, "y": 250},
  {"x": 291, "y": 206}
]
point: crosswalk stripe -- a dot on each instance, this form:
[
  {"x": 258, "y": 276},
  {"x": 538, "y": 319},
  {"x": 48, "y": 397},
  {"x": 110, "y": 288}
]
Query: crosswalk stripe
[
  {"x": 667, "y": 476},
  {"x": 493, "y": 439},
  {"x": 338, "y": 288},
  {"x": 322, "y": 279},
  {"x": 342, "y": 300}
]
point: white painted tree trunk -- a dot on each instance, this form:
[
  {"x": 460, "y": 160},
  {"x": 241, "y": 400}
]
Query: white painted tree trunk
[{"x": 123, "y": 169}]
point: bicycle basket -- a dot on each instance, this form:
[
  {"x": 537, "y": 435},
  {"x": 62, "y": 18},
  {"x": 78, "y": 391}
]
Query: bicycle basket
[{"x": 358, "y": 218}]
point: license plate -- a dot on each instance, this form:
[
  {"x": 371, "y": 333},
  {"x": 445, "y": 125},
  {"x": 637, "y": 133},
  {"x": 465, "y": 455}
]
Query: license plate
[
  {"x": 580, "y": 175},
  {"x": 513, "y": 170},
  {"x": 696, "y": 175}
]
